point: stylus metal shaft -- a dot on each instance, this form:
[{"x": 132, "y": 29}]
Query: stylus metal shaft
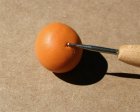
[{"x": 94, "y": 48}]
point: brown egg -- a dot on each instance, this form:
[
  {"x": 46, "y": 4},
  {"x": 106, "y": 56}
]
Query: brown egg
[{"x": 52, "y": 50}]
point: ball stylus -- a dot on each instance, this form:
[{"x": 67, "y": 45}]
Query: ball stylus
[{"x": 129, "y": 54}]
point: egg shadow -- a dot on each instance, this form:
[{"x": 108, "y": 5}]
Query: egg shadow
[{"x": 91, "y": 69}]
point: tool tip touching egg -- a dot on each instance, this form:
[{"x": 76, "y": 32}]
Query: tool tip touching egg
[{"x": 52, "y": 48}]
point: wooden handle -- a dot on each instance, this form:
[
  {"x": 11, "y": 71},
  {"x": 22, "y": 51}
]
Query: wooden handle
[{"x": 130, "y": 54}]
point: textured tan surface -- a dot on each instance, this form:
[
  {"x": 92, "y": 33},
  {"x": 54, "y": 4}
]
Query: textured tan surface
[{"x": 25, "y": 86}]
